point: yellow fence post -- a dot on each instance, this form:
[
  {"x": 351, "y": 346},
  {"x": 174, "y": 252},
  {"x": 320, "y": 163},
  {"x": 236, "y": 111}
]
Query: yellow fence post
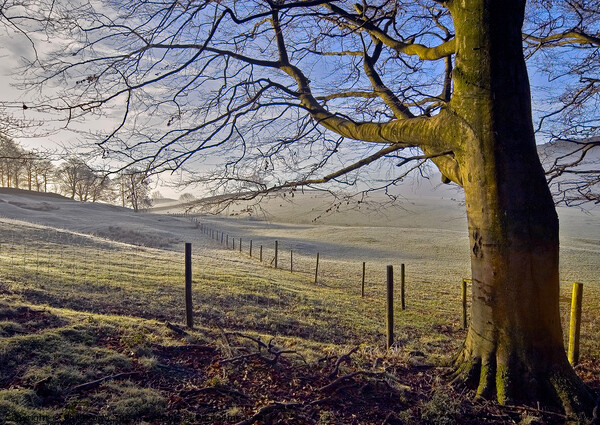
[{"x": 575, "y": 324}]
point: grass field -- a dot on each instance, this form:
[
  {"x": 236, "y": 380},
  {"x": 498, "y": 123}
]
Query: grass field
[{"x": 78, "y": 309}]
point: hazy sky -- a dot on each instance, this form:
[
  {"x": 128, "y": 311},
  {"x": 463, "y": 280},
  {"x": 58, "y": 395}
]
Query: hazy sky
[{"x": 14, "y": 47}]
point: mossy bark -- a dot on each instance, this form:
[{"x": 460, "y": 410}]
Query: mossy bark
[{"x": 514, "y": 348}]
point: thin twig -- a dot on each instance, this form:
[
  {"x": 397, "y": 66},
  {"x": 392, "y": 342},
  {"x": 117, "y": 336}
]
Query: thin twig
[
  {"x": 256, "y": 340},
  {"x": 192, "y": 347},
  {"x": 217, "y": 389},
  {"x": 243, "y": 357},
  {"x": 98, "y": 382},
  {"x": 333, "y": 385}
]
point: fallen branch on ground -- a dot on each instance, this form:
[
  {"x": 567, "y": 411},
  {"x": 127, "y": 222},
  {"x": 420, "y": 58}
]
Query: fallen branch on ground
[
  {"x": 258, "y": 341},
  {"x": 271, "y": 349},
  {"x": 216, "y": 389},
  {"x": 342, "y": 358},
  {"x": 267, "y": 410},
  {"x": 381, "y": 375},
  {"x": 177, "y": 329},
  {"x": 98, "y": 382},
  {"x": 192, "y": 347}
]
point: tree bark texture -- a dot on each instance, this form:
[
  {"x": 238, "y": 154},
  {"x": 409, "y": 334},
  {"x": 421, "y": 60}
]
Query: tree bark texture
[{"x": 514, "y": 348}]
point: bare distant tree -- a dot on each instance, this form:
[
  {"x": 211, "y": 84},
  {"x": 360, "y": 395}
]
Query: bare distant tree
[
  {"x": 69, "y": 175},
  {"x": 13, "y": 160},
  {"x": 28, "y": 164},
  {"x": 134, "y": 188},
  {"x": 102, "y": 189},
  {"x": 291, "y": 93},
  {"x": 87, "y": 181},
  {"x": 22, "y": 168},
  {"x": 156, "y": 195},
  {"x": 187, "y": 197},
  {"x": 79, "y": 181},
  {"x": 44, "y": 170}
]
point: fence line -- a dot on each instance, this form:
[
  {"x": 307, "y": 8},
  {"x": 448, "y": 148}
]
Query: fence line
[
  {"x": 39, "y": 256},
  {"x": 573, "y": 342}
]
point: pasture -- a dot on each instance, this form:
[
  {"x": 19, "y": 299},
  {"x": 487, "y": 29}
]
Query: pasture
[{"x": 92, "y": 313}]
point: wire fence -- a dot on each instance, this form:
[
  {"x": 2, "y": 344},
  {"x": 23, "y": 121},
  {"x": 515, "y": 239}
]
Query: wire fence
[
  {"x": 80, "y": 271},
  {"x": 276, "y": 255}
]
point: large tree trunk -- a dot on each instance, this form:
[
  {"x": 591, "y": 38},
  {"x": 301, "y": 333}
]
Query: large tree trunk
[{"x": 514, "y": 348}]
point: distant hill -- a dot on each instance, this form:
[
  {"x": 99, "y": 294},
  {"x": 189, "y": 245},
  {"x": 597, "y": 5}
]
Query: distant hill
[
  {"x": 387, "y": 230},
  {"x": 580, "y": 179},
  {"x": 103, "y": 220},
  {"x": 562, "y": 151},
  {"x": 417, "y": 195},
  {"x": 14, "y": 191}
]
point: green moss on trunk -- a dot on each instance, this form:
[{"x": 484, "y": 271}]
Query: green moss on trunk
[{"x": 514, "y": 350}]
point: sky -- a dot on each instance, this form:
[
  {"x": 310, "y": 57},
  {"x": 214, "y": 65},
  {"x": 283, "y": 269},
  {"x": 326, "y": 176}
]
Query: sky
[{"x": 13, "y": 47}]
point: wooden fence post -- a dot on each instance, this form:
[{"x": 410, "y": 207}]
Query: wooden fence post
[
  {"x": 240, "y": 244},
  {"x": 276, "y": 252},
  {"x": 291, "y": 261},
  {"x": 402, "y": 292},
  {"x": 317, "y": 268},
  {"x": 221, "y": 238},
  {"x": 260, "y": 254},
  {"x": 362, "y": 287},
  {"x": 233, "y": 243},
  {"x": 575, "y": 324},
  {"x": 250, "y": 248},
  {"x": 389, "y": 308},
  {"x": 189, "y": 313},
  {"x": 464, "y": 304}
]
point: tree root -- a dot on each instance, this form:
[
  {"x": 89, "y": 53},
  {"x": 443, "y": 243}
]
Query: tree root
[{"x": 553, "y": 390}]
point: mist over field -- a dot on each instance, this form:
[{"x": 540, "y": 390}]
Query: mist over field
[
  {"x": 90, "y": 279},
  {"x": 424, "y": 227}
]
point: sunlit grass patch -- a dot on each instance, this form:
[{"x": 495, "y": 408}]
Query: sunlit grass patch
[
  {"x": 125, "y": 402},
  {"x": 77, "y": 309},
  {"x": 24, "y": 407}
]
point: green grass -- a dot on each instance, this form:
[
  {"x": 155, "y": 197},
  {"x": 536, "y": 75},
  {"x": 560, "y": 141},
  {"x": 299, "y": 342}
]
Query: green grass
[
  {"x": 232, "y": 291},
  {"x": 91, "y": 275},
  {"x": 75, "y": 308}
]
